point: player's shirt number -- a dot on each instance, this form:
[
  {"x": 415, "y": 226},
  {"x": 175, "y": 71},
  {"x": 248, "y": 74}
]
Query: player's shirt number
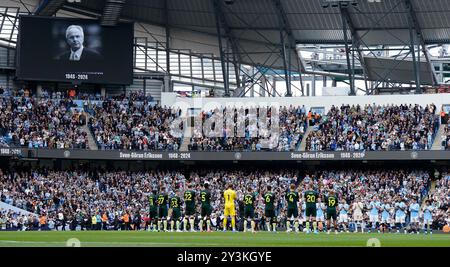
[
  {"x": 310, "y": 198},
  {"x": 291, "y": 198},
  {"x": 331, "y": 202}
]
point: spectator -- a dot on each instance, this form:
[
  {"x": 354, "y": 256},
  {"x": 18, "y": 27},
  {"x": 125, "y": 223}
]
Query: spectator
[
  {"x": 356, "y": 128},
  {"x": 129, "y": 125},
  {"x": 249, "y": 135}
]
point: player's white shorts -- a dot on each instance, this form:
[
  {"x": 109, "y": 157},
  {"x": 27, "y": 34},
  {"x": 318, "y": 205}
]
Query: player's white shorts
[
  {"x": 343, "y": 218},
  {"x": 385, "y": 220},
  {"x": 320, "y": 218},
  {"x": 373, "y": 218},
  {"x": 357, "y": 217},
  {"x": 399, "y": 219},
  {"x": 427, "y": 220},
  {"x": 415, "y": 219}
]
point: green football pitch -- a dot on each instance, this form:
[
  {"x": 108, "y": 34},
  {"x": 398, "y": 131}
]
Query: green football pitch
[{"x": 216, "y": 239}]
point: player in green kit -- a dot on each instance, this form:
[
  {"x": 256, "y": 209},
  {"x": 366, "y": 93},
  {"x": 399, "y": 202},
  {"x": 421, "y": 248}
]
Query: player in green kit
[
  {"x": 269, "y": 209},
  {"x": 310, "y": 196},
  {"x": 205, "y": 199},
  {"x": 249, "y": 209},
  {"x": 331, "y": 201},
  {"x": 175, "y": 205},
  {"x": 152, "y": 198},
  {"x": 162, "y": 201},
  {"x": 189, "y": 212},
  {"x": 292, "y": 199}
]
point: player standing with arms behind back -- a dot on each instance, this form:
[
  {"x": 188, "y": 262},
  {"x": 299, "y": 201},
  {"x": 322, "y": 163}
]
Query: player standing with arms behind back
[
  {"x": 249, "y": 209},
  {"x": 269, "y": 209},
  {"x": 175, "y": 205},
  {"x": 162, "y": 201},
  {"x": 230, "y": 210},
  {"x": 152, "y": 201},
  {"x": 189, "y": 214},
  {"x": 331, "y": 202},
  {"x": 310, "y": 196},
  {"x": 292, "y": 208},
  {"x": 205, "y": 199}
]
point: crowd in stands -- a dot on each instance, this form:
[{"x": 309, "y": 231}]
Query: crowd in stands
[
  {"x": 132, "y": 125},
  {"x": 445, "y": 138},
  {"x": 248, "y": 135},
  {"x": 43, "y": 123},
  {"x": 73, "y": 198},
  {"x": 375, "y": 127},
  {"x": 74, "y": 95},
  {"x": 119, "y": 200},
  {"x": 133, "y": 122},
  {"x": 11, "y": 220},
  {"x": 441, "y": 200},
  {"x": 55, "y": 121}
]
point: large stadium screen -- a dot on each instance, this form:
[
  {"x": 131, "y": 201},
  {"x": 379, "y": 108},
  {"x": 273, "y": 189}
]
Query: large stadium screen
[{"x": 74, "y": 50}]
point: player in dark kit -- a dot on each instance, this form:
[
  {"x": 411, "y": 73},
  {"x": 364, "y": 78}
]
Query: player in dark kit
[
  {"x": 269, "y": 209},
  {"x": 310, "y": 196},
  {"x": 162, "y": 202},
  {"x": 175, "y": 205},
  {"x": 249, "y": 209},
  {"x": 331, "y": 202},
  {"x": 292, "y": 199},
  {"x": 206, "y": 209},
  {"x": 189, "y": 212},
  {"x": 153, "y": 210}
]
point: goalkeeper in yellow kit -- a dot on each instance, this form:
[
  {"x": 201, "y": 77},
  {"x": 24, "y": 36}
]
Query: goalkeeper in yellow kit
[{"x": 229, "y": 211}]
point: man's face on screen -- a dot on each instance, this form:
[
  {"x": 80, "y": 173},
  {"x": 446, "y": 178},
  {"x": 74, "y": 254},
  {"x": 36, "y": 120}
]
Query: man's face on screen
[{"x": 75, "y": 39}]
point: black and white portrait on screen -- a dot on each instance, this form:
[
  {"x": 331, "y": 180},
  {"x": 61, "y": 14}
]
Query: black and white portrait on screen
[{"x": 81, "y": 44}]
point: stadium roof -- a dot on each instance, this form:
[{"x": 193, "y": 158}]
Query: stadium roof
[
  {"x": 254, "y": 28},
  {"x": 252, "y": 31},
  {"x": 308, "y": 20}
]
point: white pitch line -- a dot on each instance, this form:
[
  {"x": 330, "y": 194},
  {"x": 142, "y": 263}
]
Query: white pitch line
[{"x": 105, "y": 243}]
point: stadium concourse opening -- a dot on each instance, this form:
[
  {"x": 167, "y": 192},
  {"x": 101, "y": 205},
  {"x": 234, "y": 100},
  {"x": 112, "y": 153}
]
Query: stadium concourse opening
[{"x": 181, "y": 123}]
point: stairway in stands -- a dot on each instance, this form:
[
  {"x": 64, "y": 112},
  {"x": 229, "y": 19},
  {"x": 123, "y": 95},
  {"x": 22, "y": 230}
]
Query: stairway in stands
[
  {"x": 303, "y": 143},
  {"x": 186, "y": 138},
  {"x": 430, "y": 192},
  {"x": 437, "y": 140},
  {"x": 91, "y": 140}
]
